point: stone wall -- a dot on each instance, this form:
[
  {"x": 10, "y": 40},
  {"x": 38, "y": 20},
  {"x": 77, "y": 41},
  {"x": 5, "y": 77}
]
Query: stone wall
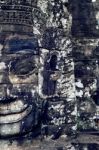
[
  {"x": 56, "y": 42},
  {"x": 85, "y": 53},
  {"x": 63, "y": 90}
]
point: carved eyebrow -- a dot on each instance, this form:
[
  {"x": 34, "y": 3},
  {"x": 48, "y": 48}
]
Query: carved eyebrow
[{"x": 16, "y": 45}]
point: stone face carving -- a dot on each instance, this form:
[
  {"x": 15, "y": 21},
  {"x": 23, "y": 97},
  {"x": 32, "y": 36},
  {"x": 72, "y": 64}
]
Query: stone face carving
[
  {"x": 19, "y": 80},
  {"x": 37, "y": 70},
  {"x": 49, "y": 80}
]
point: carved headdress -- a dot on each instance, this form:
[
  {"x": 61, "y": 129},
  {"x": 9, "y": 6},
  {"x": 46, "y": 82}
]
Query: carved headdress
[{"x": 17, "y": 15}]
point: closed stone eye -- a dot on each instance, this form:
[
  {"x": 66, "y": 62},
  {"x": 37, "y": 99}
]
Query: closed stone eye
[{"x": 23, "y": 67}]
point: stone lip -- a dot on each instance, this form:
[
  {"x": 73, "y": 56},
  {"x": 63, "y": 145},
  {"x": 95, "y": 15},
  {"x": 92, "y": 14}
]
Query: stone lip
[
  {"x": 17, "y": 117},
  {"x": 25, "y": 125},
  {"x": 14, "y": 107},
  {"x": 5, "y": 119}
]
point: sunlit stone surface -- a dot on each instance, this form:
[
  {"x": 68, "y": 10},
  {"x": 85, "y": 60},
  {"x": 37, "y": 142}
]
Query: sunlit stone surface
[
  {"x": 36, "y": 69},
  {"x": 49, "y": 74}
]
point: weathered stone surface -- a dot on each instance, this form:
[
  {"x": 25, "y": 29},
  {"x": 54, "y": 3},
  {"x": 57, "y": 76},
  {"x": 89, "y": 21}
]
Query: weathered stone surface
[{"x": 49, "y": 68}]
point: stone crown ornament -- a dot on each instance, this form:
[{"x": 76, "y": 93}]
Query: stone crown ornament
[{"x": 17, "y": 15}]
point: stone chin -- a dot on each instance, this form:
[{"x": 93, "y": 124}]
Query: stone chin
[{"x": 17, "y": 118}]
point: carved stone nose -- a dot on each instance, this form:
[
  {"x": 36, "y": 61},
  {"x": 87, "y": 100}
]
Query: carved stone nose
[
  {"x": 5, "y": 84},
  {"x": 4, "y": 92},
  {"x": 4, "y": 78}
]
